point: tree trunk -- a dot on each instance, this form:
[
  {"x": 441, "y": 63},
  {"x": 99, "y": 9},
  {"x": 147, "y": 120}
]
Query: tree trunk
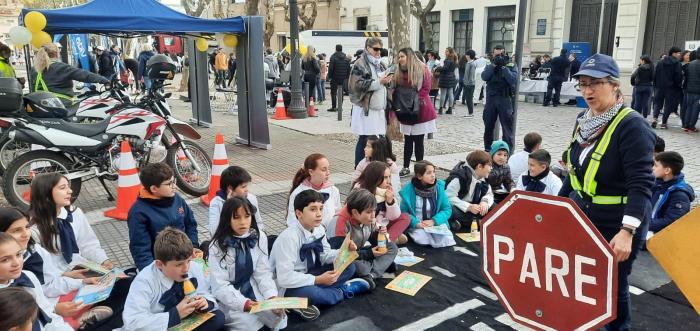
[
  {"x": 269, "y": 22},
  {"x": 398, "y": 14},
  {"x": 305, "y": 21},
  {"x": 194, "y": 7},
  {"x": 427, "y": 33},
  {"x": 251, "y": 7},
  {"x": 421, "y": 14}
]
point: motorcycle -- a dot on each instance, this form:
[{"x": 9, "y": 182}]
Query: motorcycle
[{"x": 87, "y": 151}]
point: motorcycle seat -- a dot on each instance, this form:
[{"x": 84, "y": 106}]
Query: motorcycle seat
[{"x": 86, "y": 130}]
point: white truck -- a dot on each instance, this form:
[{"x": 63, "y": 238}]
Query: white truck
[{"x": 324, "y": 41}]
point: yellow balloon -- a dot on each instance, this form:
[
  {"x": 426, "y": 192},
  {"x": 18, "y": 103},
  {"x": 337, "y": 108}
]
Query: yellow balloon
[
  {"x": 202, "y": 44},
  {"x": 40, "y": 38},
  {"x": 302, "y": 49},
  {"x": 230, "y": 40},
  {"x": 35, "y": 21}
]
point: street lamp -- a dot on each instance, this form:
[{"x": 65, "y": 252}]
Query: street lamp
[{"x": 297, "y": 108}]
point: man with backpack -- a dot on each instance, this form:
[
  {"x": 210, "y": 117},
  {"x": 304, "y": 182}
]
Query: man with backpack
[{"x": 467, "y": 190}]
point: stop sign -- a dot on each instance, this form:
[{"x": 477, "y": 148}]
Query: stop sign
[{"x": 549, "y": 266}]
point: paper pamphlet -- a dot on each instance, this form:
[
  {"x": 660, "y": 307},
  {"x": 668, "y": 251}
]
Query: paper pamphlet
[
  {"x": 97, "y": 270},
  {"x": 441, "y": 229},
  {"x": 408, "y": 261},
  {"x": 280, "y": 303},
  {"x": 408, "y": 283},
  {"x": 95, "y": 293},
  {"x": 192, "y": 322},
  {"x": 345, "y": 256},
  {"x": 468, "y": 237}
]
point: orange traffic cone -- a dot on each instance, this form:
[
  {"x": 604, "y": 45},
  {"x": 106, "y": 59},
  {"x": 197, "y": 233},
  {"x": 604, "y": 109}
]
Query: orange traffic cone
[
  {"x": 218, "y": 164},
  {"x": 128, "y": 184},
  {"x": 280, "y": 111},
  {"x": 312, "y": 108}
]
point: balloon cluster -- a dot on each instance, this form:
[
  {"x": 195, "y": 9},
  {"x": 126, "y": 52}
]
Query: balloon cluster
[
  {"x": 35, "y": 23},
  {"x": 302, "y": 49},
  {"x": 230, "y": 40}
]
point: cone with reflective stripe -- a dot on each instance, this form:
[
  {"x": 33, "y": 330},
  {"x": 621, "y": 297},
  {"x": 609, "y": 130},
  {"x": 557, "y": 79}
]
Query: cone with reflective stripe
[
  {"x": 219, "y": 163},
  {"x": 312, "y": 108},
  {"x": 128, "y": 184},
  {"x": 280, "y": 111}
]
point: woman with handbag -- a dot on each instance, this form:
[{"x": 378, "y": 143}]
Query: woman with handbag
[{"x": 411, "y": 101}]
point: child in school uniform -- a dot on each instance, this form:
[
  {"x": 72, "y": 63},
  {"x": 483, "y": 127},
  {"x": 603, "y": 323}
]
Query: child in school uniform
[
  {"x": 376, "y": 258},
  {"x": 500, "y": 178},
  {"x": 157, "y": 207},
  {"x": 470, "y": 195},
  {"x": 15, "y": 223},
  {"x": 18, "y": 309},
  {"x": 518, "y": 161},
  {"x": 314, "y": 175},
  {"x": 424, "y": 199},
  {"x": 67, "y": 240},
  {"x": 12, "y": 275},
  {"x": 302, "y": 260},
  {"x": 239, "y": 270},
  {"x": 671, "y": 195},
  {"x": 378, "y": 148},
  {"x": 234, "y": 182},
  {"x": 538, "y": 178},
  {"x": 157, "y": 299}
]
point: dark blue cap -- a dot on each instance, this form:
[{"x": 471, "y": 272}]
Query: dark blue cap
[{"x": 599, "y": 66}]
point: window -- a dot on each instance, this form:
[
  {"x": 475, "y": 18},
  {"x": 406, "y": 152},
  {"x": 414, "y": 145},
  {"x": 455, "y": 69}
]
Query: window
[
  {"x": 361, "y": 23},
  {"x": 434, "y": 21},
  {"x": 463, "y": 20},
  {"x": 501, "y": 28}
]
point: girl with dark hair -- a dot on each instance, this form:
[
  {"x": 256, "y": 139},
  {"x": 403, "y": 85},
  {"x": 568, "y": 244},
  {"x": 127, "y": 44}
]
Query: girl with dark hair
[
  {"x": 315, "y": 175},
  {"x": 235, "y": 182},
  {"x": 447, "y": 81},
  {"x": 240, "y": 273},
  {"x": 642, "y": 79},
  {"x": 378, "y": 148}
]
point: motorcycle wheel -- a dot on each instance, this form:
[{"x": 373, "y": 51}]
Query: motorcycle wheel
[
  {"x": 10, "y": 150},
  {"x": 20, "y": 172},
  {"x": 188, "y": 179}
]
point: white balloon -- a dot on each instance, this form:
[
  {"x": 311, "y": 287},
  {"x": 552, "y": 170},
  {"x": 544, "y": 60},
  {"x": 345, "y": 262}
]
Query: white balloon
[{"x": 20, "y": 35}]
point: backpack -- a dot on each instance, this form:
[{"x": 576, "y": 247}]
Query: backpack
[
  {"x": 464, "y": 175},
  {"x": 406, "y": 104}
]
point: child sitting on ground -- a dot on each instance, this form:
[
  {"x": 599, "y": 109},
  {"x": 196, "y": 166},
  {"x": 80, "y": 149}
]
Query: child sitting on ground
[
  {"x": 12, "y": 275},
  {"x": 315, "y": 175},
  {"x": 376, "y": 258},
  {"x": 424, "y": 199},
  {"x": 671, "y": 195},
  {"x": 234, "y": 182},
  {"x": 518, "y": 161},
  {"x": 378, "y": 148},
  {"x": 500, "y": 178},
  {"x": 467, "y": 190},
  {"x": 538, "y": 178},
  {"x": 157, "y": 298},
  {"x": 18, "y": 310},
  {"x": 157, "y": 207},
  {"x": 239, "y": 269},
  {"x": 302, "y": 260}
]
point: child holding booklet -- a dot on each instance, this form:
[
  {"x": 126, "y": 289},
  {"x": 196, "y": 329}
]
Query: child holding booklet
[{"x": 239, "y": 270}]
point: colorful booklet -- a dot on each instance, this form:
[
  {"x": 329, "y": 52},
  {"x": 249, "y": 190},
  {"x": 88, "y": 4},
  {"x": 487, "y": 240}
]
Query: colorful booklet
[
  {"x": 441, "y": 229},
  {"x": 408, "y": 283},
  {"x": 407, "y": 261},
  {"x": 192, "y": 322},
  {"x": 280, "y": 303},
  {"x": 97, "y": 270},
  {"x": 345, "y": 256},
  {"x": 469, "y": 237},
  {"x": 94, "y": 293}
]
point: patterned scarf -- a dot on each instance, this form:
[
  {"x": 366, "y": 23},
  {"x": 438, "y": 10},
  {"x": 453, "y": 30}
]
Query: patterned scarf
[
  {"x": 375, "y": 62},
  {"x": 591, "y": 126},
  {"x": 429, "y": 195}
]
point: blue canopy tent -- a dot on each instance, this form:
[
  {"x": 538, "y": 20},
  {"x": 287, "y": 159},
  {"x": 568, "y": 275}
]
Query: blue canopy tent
[{"x": 130, "y": 18}]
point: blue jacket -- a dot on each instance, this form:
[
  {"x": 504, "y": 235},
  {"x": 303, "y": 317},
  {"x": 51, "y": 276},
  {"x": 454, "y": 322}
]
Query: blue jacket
[
  {"x": 143, "y": 58},
  {"x": 668, "y": 74},
  {"x": 408, "y": 204},
  {"x": 500, "y": 80},
  {"x": 671, "y": 200},
  {"x": 150, "y": 215},
  {"x": 559, "y": 66}
]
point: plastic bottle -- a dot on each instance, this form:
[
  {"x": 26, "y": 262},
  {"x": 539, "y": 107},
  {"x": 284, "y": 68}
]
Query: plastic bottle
[
  {"x": 188, "y": 288},
  {"x": 474, "y": 229},
  {"x": 381, "y": 243}
]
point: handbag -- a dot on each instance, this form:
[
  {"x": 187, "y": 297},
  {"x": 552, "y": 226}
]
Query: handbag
[{"x": 406, "y": 105}]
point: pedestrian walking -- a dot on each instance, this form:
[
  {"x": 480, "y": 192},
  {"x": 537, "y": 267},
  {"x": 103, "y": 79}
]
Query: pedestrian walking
[
  {"x": 685, "y": 60},
  {"x": 642, "y": 79},
  {"x": 221, "y": 66},
  {"x": 610, "y": 157},
  {"x": 500, "y": 78},
  {"x": 447, "y": 80},
  {"x": 461, "y": 68},
  {"x": 469, "y": 82},
  {"x": 144, "y": 56},
  {"x": 368, "y": 95},
  {"x": 557, "y": 75},
  {"x": 338, "y": 74},
  {"x": 231, "y": 68},
  {"x": 668, "y": 80},
  {"x": 321, "y": 83},
  {"x": 312, "y": 70},
  {"x": 692, "y": 95}
]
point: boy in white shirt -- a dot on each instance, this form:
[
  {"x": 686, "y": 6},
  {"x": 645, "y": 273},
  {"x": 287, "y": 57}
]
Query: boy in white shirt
[
  {"x": 235, "y": 182},
  {"x": 538, "y": 178},
  {"x": 157, "y": 300},
  {"x": 518, "y": 161}
]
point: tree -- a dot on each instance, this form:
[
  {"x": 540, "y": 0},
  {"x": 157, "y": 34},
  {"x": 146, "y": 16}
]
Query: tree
[
  {"x": 269, "y": 22},
  {"x": 421, "y": 13},
  {"x": 194, "y": 7},
  {"x": 305, "y": 21},
  {"x": 51, "y": 4},
  {"x": 397, "y": 19},
  {"x": 252, "y": 7}
]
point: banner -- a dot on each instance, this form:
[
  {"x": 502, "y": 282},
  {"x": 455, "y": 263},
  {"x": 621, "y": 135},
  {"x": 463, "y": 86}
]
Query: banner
[{"x": 79, "y": 44}]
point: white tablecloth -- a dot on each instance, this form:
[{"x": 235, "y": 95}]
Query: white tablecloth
[{"x": 568, "y": 89}]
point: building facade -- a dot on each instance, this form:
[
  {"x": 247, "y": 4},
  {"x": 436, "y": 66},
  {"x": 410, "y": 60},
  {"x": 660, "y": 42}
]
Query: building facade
[{"x": 9, "y": 11}]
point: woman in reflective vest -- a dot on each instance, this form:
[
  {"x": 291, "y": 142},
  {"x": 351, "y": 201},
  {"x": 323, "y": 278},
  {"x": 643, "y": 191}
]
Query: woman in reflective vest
[
  {"x": 51, "y": 75},
  {"x": 610, "y": 161}
]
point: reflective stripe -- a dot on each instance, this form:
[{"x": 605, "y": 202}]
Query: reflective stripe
[
  {"x": 217, "y": 170},
  {"x": 128, "y": 181},
  {"x": 40, "y": 80},
  {"x": 590, "y": 185}
]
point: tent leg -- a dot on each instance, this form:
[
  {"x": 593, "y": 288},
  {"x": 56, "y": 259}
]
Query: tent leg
[{"x": 199, "y": 79}]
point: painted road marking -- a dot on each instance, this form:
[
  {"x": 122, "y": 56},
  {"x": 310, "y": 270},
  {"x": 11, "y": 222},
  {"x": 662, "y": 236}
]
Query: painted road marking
[
  {"x": 505, "y": 319},
  {"x": 464, "y": 251},
  {"x": 480, "y": 327},
  {"x": 437, "y": 318},
  {"x": 485, "y": 293},
  {"x": 636, "y": 290},
  {"x": 443, "y": 271}
]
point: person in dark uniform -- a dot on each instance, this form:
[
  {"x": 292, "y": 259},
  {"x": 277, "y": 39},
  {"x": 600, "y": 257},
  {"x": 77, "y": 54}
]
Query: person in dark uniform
[
  {"x": 610, "y": 170},
  {"x": 557, "y": 76},
  {"x": 500, "y": 77}
]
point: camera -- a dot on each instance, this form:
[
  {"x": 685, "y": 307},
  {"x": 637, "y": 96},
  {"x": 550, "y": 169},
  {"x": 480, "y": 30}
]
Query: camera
[{"x": 501, "y": 60}]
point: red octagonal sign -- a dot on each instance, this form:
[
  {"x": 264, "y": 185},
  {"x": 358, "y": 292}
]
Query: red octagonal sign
[{"x": 549, "y": 266}]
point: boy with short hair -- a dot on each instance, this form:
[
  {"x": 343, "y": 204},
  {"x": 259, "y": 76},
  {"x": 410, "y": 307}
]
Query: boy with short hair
[
  {"x": 234, "y": 182},
  {"x": 157, "y": 207},
  {"x": 302, "y": 260},
  {"x": 671, "y": 195},
  {"x": 518, "y": 161},
  {"x": 538, "y": 178},
  {"x": 157, "y": 299},
  {"x": 470, "y": 195},
  {"x": 500, "y": 178}
]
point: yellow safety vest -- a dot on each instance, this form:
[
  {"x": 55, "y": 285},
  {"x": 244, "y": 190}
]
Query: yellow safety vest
[
  {"x": 40, "y": 81},
  {"x": 6, "y": 68},
  {"x": 589, "y": 183}
]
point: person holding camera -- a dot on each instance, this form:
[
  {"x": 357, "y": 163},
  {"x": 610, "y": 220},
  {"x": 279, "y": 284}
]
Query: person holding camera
[{"x": 500, "y": 77}]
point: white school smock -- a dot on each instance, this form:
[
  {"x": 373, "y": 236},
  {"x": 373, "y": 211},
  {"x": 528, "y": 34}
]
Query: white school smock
[
  {"x": 231, "y": 300},
  {"x": 330, "y": 207},
  {"x": 288, "y": 269},
  {"x": 57, "y": 323},
  {"x": 142, "y": 310},
  {"x": 518, "y": 164},
  {"x": 217, "y": 204},
  {"x": 552, "y": 182}
]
